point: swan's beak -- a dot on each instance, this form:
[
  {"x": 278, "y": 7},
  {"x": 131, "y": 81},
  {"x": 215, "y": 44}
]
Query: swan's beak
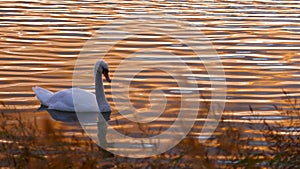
[{"x": 106, "y": 76}]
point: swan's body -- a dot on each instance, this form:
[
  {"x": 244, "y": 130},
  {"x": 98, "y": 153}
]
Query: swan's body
[
  {"x": 63, "y": 100},
  {"x": 85, "y": 101}
]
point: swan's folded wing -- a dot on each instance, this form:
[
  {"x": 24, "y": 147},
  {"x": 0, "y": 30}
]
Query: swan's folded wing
[
  {"x": 43, "y": 95},
  {"x": 62, "y": 100}
]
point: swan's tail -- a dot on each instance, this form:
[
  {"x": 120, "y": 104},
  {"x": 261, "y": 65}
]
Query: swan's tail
[{"x": 42, "y": 94}]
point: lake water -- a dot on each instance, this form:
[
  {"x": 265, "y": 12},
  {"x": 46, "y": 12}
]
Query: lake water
[{"x": 257, "y": 42}]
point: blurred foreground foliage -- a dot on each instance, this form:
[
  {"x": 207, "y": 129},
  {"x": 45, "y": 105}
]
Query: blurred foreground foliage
[{"x": 24, "y": 144}]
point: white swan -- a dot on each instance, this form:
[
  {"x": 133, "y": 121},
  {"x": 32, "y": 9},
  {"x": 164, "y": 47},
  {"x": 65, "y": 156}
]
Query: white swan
[{"x": 85, "y": 101}]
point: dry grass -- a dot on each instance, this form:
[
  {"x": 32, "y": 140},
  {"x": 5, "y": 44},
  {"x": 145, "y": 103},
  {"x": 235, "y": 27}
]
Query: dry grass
[{"x": 24, "y": 144}]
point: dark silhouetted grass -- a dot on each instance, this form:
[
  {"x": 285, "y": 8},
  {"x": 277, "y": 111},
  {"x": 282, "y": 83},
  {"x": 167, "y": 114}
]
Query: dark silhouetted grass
[{"x": 256, "y": 144}]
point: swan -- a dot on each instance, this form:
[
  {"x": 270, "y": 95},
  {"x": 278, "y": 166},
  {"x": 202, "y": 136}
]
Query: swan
[{"x": 85, "y": 100}]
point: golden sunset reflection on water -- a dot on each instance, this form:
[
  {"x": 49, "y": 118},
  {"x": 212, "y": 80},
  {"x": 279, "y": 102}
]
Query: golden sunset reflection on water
[{"x": 257, "y": 42}]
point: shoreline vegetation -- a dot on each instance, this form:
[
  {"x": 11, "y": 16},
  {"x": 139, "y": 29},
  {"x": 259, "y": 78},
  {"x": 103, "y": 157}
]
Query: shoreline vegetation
[{"x": 24, "y": 144}]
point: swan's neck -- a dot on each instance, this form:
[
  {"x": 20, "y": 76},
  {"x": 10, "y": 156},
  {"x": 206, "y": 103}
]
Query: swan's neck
[{"x": 100, "y": 94}]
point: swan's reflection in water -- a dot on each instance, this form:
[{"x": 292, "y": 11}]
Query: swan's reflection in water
[
  {"x": 62, "y": 116},
  {"x": 102, "y": 128},
  {"x": 87, "y": 120}
]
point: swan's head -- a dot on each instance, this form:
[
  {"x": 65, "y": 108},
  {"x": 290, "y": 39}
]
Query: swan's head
[{"x": 102, "y": 66}]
